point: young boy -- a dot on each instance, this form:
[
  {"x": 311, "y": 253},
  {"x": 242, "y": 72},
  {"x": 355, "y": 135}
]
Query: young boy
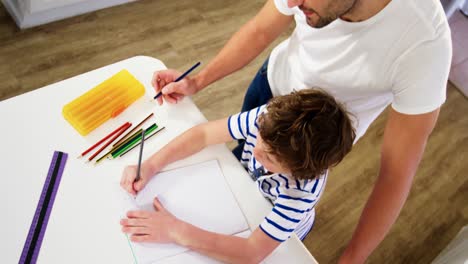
[{"x": 289, "y": 145}]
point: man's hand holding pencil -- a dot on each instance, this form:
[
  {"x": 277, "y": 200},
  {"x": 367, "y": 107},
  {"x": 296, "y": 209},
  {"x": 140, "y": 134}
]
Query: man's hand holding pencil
[{"x": 173, "y": 85}]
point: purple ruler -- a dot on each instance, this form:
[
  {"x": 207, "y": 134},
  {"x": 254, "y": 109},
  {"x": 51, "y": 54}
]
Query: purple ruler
[{"x": 33, "y": 242}]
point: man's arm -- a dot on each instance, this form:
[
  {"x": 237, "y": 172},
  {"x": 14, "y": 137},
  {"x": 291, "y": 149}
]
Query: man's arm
[
  {"x": 162, "y": 227},
  {"x": 403, "y": 145},
  {"x": 251, "y": 39},
  {"x": 246, "y": 44}
]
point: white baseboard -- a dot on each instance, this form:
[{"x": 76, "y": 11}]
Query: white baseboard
[
  {"x": 457, "y": 250},
  {"x": 27, "y": 20}
]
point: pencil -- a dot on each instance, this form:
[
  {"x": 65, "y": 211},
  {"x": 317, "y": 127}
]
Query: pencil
[
  {"x": 126, "y": 140},
  {"x": 110, "y": 141},
  {"x": 128, "y": 145},
  {"x": 141, "y": 154},
  {"x": 102, "y": 140},
  {"x": 114, "y": 148},
  {"x": 131, "y": 131},
  {"x": 180, "y": 77},
  {"x": 139, "y": 143}
]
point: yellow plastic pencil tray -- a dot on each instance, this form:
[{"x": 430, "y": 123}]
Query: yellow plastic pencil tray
[{"x": 105, "y": 101}]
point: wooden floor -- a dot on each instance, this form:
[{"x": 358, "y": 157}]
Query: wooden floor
[{"x": 181, "y": 32}]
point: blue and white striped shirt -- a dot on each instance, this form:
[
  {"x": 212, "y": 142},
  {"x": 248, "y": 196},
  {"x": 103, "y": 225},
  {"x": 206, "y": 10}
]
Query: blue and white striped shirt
[{"x": 294, "y": 200}]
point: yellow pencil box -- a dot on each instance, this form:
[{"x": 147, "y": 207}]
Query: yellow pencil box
[{"x": 105, "y": 101}]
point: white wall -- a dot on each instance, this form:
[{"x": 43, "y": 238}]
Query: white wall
[
  {"x": 42, "y": 5},
  {"x": 19, "y": 4},
  {"x": 30, "y": 13}
]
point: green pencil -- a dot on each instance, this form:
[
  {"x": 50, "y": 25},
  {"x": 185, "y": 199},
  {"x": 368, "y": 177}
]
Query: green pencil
[
  {"x": 148, "y": 137},
  {"x": 118, "y": 146},
  {"x": 131, "y": 143},
  {"x": 126, "y": 140}
]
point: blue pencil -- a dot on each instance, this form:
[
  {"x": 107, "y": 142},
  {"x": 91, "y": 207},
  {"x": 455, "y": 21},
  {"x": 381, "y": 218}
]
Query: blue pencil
[{"x": 181, "y": 77}]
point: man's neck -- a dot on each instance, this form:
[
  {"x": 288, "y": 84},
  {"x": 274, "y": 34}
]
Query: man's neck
[{"x": 364, "y": 9}]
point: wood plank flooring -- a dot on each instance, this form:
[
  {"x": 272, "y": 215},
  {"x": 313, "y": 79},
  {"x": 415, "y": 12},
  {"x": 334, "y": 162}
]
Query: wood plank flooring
[{"x": 181, "y": 32}]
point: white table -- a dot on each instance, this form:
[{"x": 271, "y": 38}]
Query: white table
[{"x": 83, "y": 226}]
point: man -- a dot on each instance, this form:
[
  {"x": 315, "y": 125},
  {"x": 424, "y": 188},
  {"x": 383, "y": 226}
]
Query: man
[{"x": 366, "y": 53}]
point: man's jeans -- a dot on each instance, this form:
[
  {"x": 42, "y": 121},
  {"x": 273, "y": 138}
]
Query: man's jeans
[{"x": 258, "y": 93}]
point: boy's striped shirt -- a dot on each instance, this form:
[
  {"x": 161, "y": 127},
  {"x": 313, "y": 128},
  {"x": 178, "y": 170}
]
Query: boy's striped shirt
[{"x": 294, "y": 200}]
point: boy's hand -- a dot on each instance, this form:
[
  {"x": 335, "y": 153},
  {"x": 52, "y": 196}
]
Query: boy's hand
[
  {"x": 172, "y": 91},
  {"x": 144, "y": 226},
  {"x": 128, "y": 182}
]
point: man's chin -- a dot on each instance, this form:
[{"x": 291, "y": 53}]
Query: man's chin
[
  {"x": 310, "y": 22},
  {"x": 318, "y": 24}
]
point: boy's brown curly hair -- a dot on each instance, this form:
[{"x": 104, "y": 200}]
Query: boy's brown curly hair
[{"x": 307, "y": 131}]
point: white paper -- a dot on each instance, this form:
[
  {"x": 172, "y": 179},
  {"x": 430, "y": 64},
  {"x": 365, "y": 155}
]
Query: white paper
[{"x": 197, "y": 194}]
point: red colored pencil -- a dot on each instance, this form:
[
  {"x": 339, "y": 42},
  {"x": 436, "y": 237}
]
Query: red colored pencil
[
  {"x": 102, "y": 140},
  {"x": 127, "y": 125}
]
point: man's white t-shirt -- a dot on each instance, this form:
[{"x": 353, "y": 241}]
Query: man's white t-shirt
[{"x": 401, "y": 56}]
